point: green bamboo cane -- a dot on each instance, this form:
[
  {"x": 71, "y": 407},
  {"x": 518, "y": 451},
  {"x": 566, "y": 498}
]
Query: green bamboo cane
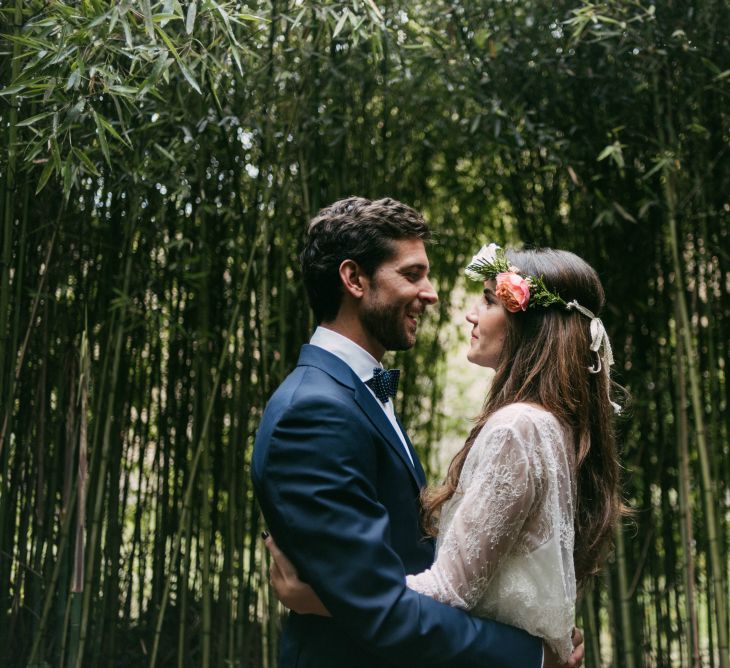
[
  {"x": 627, "y": 630},
  {"x": 183, "y": 589},
  {"x": 685, "y": 511},
  {"x": 8, "y": 203},
  {"x": 716, "y": 565},
  {"x": 77, "y": 586},
  {"x": 203, "y": 384},
  {"x": 198, "y": 452},
  {"x": 101, "y": 473},
  {"x": 666, "y": 136},
  {"x": 8, "y": 190},
  {"x": 592, "y": 631},
  {"x": 34, "y": 660}
]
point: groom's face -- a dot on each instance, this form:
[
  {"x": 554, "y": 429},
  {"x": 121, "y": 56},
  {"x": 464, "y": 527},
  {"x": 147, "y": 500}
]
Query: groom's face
[{"x": 397, "y": 296}]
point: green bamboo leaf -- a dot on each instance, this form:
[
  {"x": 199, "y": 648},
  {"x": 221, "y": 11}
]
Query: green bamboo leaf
[
  {"x": 127, "y": 32},
  {"x": 113, "y": 21},
  {"x": 251, "y": 17},
  {"x": 126, "y": 91},
  {"x": 110, "y": 129},
  {"x": 624, "y": 213},
  {"x": 606, "y": 152},
  {"x": 81, "y": 155},
  {"x": 615, "y": 152},
  {"x": 341, "y": 23},
  {"x": 160, "y": 66},
  {"x": 226, "y": 21},
  {"x": 10, "y": 90},
  {"x": 48, "y": 169},
  {"x": 164, "y": 19},
  {"x": 190, "y": 18},
  {"x": 69, "y": 173},
  {"x": 185, "y": 71},
  {"x": 56, "y": 154},
  {"x": 33, "y": 119},
  {"x": 165, "y": 153},
  {"x": 189, "y": 76},
  {"x": 237, "y": 59},
  {"x": 102, "y": 137},
  {"x": 73, "y": 79},
  {"x": 148, "y": 23}
]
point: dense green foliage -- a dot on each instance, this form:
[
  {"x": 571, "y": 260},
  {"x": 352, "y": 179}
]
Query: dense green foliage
[{"x": 159, "y": 162}]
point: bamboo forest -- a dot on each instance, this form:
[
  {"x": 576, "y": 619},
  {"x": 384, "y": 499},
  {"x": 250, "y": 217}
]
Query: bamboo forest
[{"x": 160, "y": 161}]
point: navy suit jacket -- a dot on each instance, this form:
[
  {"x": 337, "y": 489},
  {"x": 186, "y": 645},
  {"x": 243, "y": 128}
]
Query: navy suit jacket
[{"x": 341, "y": 499}]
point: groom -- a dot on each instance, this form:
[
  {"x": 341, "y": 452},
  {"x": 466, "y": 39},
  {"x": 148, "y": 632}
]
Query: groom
[{"x": 335, "y": 473}]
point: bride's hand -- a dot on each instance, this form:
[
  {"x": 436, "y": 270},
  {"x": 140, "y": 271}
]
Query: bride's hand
[
  {"x": 290, "y": 590},
  {"x": 576, "y": 658}
]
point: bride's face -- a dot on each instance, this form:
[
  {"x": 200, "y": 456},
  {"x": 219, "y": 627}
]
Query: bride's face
[{"x": 489, "y": 328}]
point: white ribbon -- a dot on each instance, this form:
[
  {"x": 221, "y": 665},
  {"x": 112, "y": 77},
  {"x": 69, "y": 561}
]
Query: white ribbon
[{"x": 599, "y": 337}]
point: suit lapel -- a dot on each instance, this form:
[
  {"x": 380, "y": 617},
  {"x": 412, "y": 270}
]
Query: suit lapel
[
  {"x": 342, "y": 373},
  {"x": 377, "y": 416},
  {"x": 420, "y": 473}
]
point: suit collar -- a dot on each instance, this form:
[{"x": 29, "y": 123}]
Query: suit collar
[
  {"x": 318, "y": 357},
  {"x": 354, "y": 355}
]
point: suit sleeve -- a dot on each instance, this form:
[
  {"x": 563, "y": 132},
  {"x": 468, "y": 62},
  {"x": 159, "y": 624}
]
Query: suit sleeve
[{"x": 321, "y": 504}]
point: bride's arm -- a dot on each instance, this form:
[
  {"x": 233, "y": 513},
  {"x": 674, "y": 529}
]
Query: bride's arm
[
  {"x": 290, "y": 590},
  {"x": 489, "y": 519}
]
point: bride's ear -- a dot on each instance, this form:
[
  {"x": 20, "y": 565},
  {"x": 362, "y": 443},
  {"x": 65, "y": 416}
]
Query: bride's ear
[{"x": 353, "y": 279}]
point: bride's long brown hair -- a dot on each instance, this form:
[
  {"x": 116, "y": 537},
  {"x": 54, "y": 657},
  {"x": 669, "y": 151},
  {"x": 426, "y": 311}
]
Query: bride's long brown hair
[{"x": 545, "y": 360}]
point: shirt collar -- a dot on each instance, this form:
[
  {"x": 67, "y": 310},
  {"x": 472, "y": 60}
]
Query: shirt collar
[{"x": 357, "y": 358}]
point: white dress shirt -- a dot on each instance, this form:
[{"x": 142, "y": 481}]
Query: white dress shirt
[{"x": 362, "y": 363}]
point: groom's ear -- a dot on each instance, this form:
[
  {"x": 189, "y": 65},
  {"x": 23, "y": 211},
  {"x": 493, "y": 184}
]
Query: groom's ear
[{"x": 353, "y": 279}]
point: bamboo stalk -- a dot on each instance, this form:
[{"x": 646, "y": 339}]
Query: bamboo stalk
[
  {"x": 716, "y": 564},
  {"x": 197, "y": 455},
  {"x": 101, "y": 474},
  {"x": 627, "y": 629},
  {"x": 685, "y": 505}
]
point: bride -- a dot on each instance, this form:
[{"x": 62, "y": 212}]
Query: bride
[{"x": 530, "y": 501}]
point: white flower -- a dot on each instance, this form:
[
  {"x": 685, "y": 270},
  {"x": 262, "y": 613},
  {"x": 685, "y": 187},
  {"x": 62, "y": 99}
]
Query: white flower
[{"x": 486, "y": 254}]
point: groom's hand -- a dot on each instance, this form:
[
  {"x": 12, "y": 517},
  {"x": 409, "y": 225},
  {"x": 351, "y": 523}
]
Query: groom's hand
[{"x": 576, "y": 658}]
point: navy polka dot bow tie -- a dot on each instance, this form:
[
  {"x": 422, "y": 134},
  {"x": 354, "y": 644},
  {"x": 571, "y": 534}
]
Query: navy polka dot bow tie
[{"x": 384, "y": 383}]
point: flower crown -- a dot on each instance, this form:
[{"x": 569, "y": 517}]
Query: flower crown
[{"x": 517, "y": 292}]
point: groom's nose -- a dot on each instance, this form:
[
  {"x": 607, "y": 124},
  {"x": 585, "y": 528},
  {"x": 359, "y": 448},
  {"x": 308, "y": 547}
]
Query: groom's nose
[{"x": 428, "y": 294}]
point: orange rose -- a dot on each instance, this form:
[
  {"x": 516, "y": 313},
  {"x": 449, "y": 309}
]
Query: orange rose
[{"x": 513, "y": 291}]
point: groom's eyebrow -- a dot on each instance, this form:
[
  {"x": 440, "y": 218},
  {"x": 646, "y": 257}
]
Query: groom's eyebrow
[{"x": 416, "y": 265}]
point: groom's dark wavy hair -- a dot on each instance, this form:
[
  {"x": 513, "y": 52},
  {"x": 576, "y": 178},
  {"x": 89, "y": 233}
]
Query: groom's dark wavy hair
[
  {"x": 545, "y": 360},
  {"x": 355, "y": 229}
]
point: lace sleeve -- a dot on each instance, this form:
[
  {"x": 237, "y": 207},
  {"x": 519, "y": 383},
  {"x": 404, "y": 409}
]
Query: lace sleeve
[{"x": 497, "y": 498}]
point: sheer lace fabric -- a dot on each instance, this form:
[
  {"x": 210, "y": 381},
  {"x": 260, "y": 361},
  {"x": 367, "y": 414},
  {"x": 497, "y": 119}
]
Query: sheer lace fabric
[{"x": 505, "y": 544}]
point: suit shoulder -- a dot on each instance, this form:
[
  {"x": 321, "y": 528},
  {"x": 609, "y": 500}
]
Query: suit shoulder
[{"x": 307, "y": 389}]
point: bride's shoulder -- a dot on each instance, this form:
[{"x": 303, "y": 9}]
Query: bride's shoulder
[{"x": 524, "y": 418}]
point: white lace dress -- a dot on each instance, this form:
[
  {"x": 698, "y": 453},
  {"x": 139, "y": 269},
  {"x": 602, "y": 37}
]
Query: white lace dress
[{"x": 505, "y": 544}]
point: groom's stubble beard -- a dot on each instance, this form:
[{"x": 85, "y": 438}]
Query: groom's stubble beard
[{"x": 386, "y": 323}]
